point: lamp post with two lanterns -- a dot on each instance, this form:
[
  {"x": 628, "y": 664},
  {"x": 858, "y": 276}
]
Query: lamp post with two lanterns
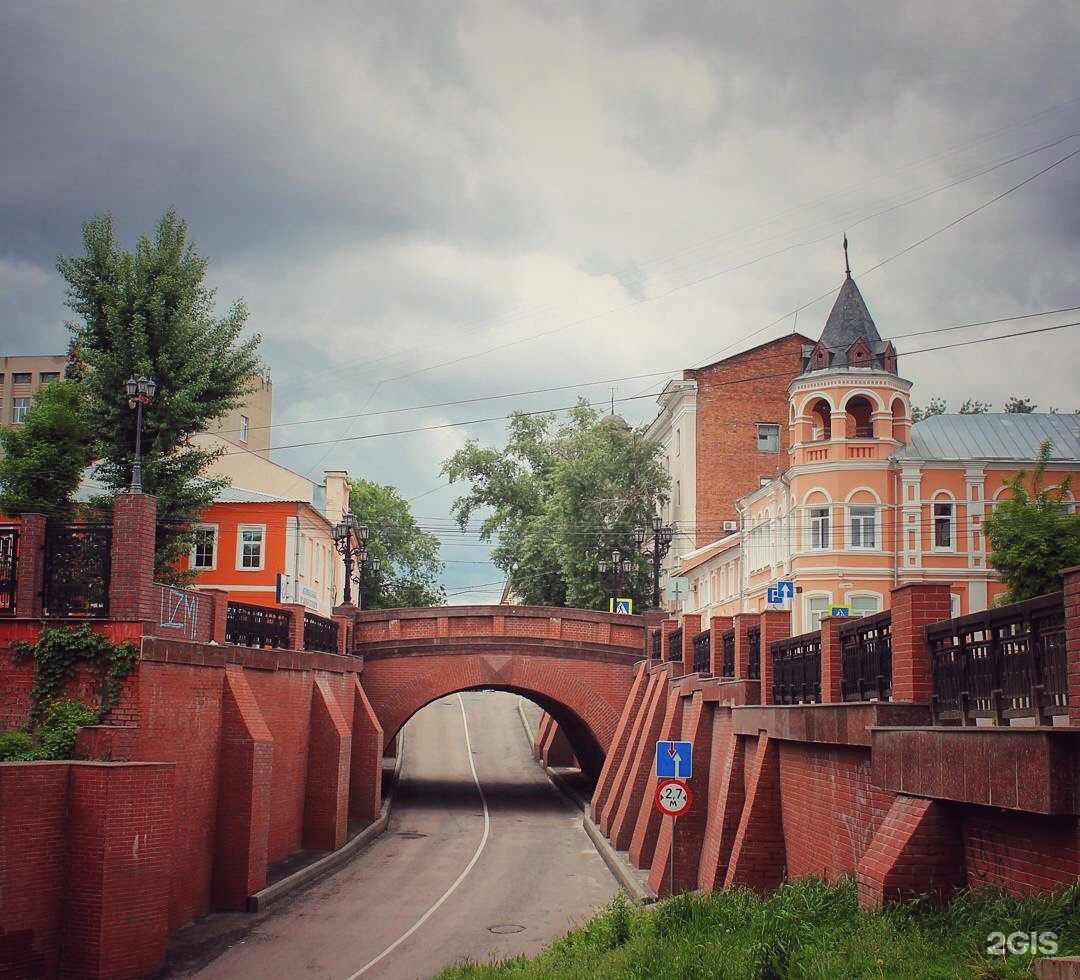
[
  {"x": 354, "y": 555},
  {"x": 140, "y": 391},
  {"x": 618, "y": 570},
  {"x": 661, "y": 542}
]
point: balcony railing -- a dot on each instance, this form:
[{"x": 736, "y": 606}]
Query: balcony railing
[
  {"x": 866, "y": 651},
  {"x": 728, "y": 666},
  {"x": 797, "y": 670},
  {"x": 1003, "y": 663},
  {"x": 703, "y": 652},
  {"x": 77, "y": 564},
  {"x": 675, "y": 646},
  {"x": 753, "y": 643},
  {"x": 9, "y": 567},
  {"x": 247, "y": 625},
  {"x": 320, "y": 633}
]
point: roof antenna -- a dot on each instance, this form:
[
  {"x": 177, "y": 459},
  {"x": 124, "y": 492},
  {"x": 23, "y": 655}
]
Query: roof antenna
[{"x": 847, "y": 266}]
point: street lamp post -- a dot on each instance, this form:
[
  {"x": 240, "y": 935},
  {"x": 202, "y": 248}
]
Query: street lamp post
[
  {"x": 344, "y": 534},
  {"x": 662, "y": 535},
  {"x": 139, "y": 391},
  {"x": 620, "y": 569}
]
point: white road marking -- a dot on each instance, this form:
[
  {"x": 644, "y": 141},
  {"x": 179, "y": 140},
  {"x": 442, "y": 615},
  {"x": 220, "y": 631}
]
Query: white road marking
[{"x": 460, "y": 878}]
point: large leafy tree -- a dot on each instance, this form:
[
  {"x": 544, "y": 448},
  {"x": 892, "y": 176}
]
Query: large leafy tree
[
  {"x": 1033, "y": 535},
  {"x": 45, "y": 456},
  {"x": 149, "y": 312},
  {"x": 557, "y": 498},
  {"x": 409, "y": 556}
]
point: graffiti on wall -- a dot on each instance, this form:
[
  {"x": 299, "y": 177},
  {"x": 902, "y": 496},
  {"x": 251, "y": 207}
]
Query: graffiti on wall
[{"x": 180, "y": 610}]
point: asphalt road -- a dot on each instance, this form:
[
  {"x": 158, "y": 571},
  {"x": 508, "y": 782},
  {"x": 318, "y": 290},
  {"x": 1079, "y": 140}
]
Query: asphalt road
[{"x": 483, "y": 859}]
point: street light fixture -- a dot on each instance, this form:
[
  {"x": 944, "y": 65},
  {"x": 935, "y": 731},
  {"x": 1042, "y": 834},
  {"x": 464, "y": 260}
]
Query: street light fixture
[
  {"x": 344, "y": 534},
  {"x": 140, "y": 391},
  {"x": 620, "y": 570},
  {"x": 661, "y": 542}
]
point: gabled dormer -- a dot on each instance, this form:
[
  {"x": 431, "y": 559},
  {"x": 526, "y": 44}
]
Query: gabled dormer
[{"x": 859, "y": 354}]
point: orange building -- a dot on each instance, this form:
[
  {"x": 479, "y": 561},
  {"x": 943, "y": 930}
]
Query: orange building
[{"x": 869, "y": 501}]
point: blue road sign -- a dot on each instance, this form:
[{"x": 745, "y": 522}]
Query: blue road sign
[
  {"x": 786, "y": 587},
  {"x": 623, "y": 606},
  {"x": 774, "y": 596},
  {"x": 674, "y": 760},
  {"x": 839, "y": 610}
]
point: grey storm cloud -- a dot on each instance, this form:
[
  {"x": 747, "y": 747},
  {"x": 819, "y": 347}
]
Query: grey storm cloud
[{"x": 424, "y": 202}]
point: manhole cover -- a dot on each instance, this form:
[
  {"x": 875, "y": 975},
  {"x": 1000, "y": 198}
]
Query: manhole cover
[
  {"x": 411, "y": 835},
  {"x": 505, "y": 928}
]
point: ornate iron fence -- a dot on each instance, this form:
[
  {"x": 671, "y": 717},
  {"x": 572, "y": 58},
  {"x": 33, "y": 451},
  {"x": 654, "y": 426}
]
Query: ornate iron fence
[
  {"x": 77, "y": 564},
  {"x": 320, "y": 633},
  {"x": 797, "y": 669},
  {"x": 1003, "y": 663},
  {"x": 728, "y": 667},
  {"x": 674, "y": 653},
  {"x": 9, "y": 567},
  {"x": 703, "y": 652},
  {"x": 248, "y": 625},
  {"x": 753, "y": 643},
  {"x": 866, "y": 652},
  {"x": 657, "y": 644}
]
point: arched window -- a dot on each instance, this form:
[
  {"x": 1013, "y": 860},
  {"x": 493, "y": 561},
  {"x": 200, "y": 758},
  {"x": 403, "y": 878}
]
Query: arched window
[
  {"x": 821, "y": 415},
  {"x": 860, "y": 417}
]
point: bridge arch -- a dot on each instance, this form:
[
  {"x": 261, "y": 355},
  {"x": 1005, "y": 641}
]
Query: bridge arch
[{"x": 575, "y": 664}]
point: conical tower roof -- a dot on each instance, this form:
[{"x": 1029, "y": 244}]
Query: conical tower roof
[{"x": 848, "y": 321}]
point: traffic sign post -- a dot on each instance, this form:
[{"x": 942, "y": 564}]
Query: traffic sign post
[
  {"x": 673, "y": 798},
  {"x": 674, "y": 760}
]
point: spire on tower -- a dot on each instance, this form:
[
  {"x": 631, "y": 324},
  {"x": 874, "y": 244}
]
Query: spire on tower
[{"x": 847, "y": 265}]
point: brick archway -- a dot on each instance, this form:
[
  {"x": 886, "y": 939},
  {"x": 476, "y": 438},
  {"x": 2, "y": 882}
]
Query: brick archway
[{"x": 576, "y": 664}]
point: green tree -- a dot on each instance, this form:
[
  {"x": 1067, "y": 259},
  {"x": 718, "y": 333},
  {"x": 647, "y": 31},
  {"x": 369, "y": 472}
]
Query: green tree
[
  {"x": 938, "y": 406},
  {"x": 148, "y": 312},
  {"x": 1020, "y": 406},
  {"x": 1033, "y": 536},
  {"x": 557, "y": 498},
  {"x": 409, "y": 556},
  {"x": 44, "y": 457}
]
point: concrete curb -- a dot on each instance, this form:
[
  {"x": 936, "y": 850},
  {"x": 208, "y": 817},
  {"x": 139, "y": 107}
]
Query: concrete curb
[
  {"x": 629, "y": 878},
  {"x": 335, "y": 859}
]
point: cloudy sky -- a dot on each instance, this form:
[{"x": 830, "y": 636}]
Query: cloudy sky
[{"x": 423, "y": 203}]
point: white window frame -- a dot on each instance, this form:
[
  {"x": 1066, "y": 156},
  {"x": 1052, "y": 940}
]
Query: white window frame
[
  {"x": 770, "y": 433},
  {"x": 213, "y": 529},
  {"x": 19, "y": 408},
  {"x": 818, "y": 527},
  {"x": 240, "y": 530},
  {"x": 856, "y": 597},
  {"x": 813, "y": 616},
  {"x": 245, "y": 427},
  {"x": 857, "y": 527},
  {"x": 949, "y": 521}
]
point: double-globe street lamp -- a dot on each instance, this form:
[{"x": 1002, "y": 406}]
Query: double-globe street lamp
[
  {"x": 139, "y": 391},
  {"x": 620, "y": 570},
  {"x": 662, "y": 535},
  {"x": 354, "y": 554}
]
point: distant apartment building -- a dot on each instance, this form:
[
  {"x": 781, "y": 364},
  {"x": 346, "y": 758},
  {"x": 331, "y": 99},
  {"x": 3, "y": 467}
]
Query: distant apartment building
[{"x": 20, "y": 377}]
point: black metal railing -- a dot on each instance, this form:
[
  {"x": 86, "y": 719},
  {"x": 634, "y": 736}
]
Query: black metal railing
[
  {"x": 703, "y": 652},
  {"x": 674, "y": 650},
  {"x": 1003, "y": 663},
  {"x": 320, "y": 633},
  {"x": 728, "y": 666},
  {"x": 753, "y": 643},
  {"x": 657, "y": 644},
  {"x": 866, "y": 652},
  {"x": 77, "y": 564},
  {"x": 9, "y": 568},
  {"x": 797, "y": 669},
  {"x": 247, "y": 625}
]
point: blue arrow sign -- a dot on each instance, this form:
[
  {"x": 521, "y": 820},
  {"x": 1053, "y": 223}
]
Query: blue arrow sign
[
  {"x": 674, "y": 760},
  {"x": 786, "y": 587}
]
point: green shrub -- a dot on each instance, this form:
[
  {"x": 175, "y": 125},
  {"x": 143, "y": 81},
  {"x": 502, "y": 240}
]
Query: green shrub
[
  {"x": 19, "y": 746},
  {"x": 57, "y": 729}
]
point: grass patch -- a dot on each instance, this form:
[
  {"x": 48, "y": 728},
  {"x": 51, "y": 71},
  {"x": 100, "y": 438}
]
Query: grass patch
[{"x": 805, "y": 928}]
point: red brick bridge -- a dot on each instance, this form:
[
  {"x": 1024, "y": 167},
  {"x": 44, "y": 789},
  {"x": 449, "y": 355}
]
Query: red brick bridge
[{"x": 576, "y": 664}]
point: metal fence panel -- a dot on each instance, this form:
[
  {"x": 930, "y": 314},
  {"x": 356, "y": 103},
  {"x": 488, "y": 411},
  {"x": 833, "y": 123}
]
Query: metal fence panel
[
  {"x": 77, "y": 565},
  {"x": 9, "y": 568}
]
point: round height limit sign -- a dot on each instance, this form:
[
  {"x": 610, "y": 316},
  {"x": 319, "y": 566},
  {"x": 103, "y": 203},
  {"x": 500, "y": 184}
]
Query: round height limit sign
[{"x": 673, "y": 797}]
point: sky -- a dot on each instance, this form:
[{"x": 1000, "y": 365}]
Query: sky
[{"x": 429, "y": 203}]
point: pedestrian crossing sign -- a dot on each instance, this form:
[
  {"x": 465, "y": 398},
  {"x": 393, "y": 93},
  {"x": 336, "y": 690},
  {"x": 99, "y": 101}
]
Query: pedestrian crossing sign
[{"x": 624, "y": 607}]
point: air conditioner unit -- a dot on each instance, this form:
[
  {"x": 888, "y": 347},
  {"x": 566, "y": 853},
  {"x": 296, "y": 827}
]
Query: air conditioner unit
[{"x": 731, "y": 525}]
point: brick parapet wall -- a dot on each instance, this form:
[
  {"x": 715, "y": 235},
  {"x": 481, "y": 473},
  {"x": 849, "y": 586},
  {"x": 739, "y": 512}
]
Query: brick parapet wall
[{"x": 915, "y": 607}]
